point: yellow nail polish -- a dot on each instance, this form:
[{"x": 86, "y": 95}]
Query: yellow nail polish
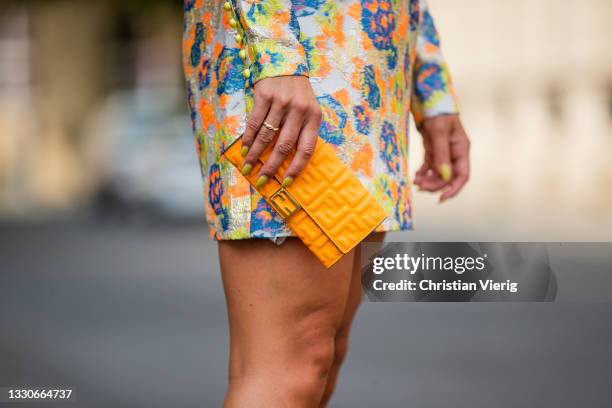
[
  {"x": 242, "y": 54},
  {"x": 261, "y": 181},
  {"x": 287, "y": 181},
  {"x": 246, "y": 169},
  {"x": 244, "y": 151},
  {"x": 445, "y": 172},
  {"x": 238, "y": 38},
  {"x": 233, "y": 23},
  {"x": 246, "y": 73},
  {"x": 227, "y": 6}
]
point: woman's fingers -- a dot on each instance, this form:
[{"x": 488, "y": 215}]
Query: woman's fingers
[
  {"x": 285, "y": 144},
  {"x": 436, "y": 171},
  {"x": 461, "y": 177},
  {"x": 431, "y": 182},
  {"x": 447, "y": 163},
  {"x": 438, "y": 131},
  {"x": 285, "y": 113},
  {"x": 306, "y": 145},
  {"x": 264, "y": 136},
  {"x": 261, "y": 106},
  {"x": 422, "y": 172},
  {"x": 460, "y": 151}
]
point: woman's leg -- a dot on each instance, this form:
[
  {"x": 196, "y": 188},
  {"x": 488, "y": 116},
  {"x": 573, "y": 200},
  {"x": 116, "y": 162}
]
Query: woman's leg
[
  {"x": 352, "y": 304},
  {"x": 285, "y": 310}
]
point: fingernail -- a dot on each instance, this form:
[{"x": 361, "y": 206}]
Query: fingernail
[
  {"x": 246, "y": 169},
  {"x": 287, "y": 182},
  {"x": 261, "y": 181},
  {"x": 244, "y": 151},
  {"x": 445, "y": 172}
]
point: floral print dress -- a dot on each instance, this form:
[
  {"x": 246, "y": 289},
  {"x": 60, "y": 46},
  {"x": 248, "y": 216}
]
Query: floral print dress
[{"x": 370, "y": 62}]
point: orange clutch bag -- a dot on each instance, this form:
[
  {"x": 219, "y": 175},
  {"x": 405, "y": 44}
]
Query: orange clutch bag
[{"x": 326, "y": 206}]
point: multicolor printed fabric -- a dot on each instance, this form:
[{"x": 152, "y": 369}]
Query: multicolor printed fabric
[{"x": 370, "y": 62}]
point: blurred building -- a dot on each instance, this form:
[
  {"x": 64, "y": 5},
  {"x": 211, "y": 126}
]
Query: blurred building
[
  {"x": 82, "y": 85},
  {"x": 535, "y": 82},
  {"x": 78, "y": 83}
]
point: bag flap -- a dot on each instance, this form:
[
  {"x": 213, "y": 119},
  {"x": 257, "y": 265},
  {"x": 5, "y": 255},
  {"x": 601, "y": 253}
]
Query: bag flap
[{"x": 333, "y": 197}]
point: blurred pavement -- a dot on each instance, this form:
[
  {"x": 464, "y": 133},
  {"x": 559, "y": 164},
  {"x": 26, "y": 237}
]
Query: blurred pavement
[{"x": 135, "y": 317}]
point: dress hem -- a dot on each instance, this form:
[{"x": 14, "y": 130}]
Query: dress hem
[{"x": 217, "y": 237}]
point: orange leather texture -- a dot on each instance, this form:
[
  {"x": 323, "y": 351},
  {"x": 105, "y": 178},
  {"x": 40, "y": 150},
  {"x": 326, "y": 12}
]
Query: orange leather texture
[{"x": 337, "y": 212}]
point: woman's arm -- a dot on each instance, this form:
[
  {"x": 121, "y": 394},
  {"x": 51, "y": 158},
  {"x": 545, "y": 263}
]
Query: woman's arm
[
  {"x": 272, "y": 36},
  {"x": 283, "y": 97},
  {"x": 446, "y": 165},
  {"x": 433, "y": 92}
]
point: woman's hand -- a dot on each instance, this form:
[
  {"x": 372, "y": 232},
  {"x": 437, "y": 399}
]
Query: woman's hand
[
  {"x": 447, "y": 156},
  {"x": 288, "y": 103}
]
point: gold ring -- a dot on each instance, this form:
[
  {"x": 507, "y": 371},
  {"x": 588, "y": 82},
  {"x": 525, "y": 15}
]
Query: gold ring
[{"x": 270, "y": 127}]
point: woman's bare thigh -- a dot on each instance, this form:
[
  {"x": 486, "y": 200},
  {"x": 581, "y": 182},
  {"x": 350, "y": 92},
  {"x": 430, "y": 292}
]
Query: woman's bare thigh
[
  {"x": 375, "y": 241},
  {"x": 281, "y": 301}
]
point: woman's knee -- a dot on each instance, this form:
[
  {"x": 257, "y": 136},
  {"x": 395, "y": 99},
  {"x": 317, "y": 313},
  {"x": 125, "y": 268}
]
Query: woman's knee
[
  {"x": 312, "y": 341},
  {"x": 311, "y": 358},
  {"x": 340, "y": 352},
  {"x": 296, "y": 363}
]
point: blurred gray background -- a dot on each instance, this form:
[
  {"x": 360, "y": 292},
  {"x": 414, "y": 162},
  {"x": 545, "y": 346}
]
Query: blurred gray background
[
  {"x": 135, "y": 317},
  {"x": 109, "y": 282}
]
